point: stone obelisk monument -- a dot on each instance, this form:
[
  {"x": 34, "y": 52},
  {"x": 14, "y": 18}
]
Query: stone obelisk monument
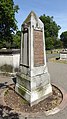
[{"x": 33, "y": 79}]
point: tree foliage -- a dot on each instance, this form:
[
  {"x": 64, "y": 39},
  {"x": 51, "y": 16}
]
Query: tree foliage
[
  {"x": 49, "y": 43},
  {"x": 7, "y": 22},
  {"x": 63, "y": 38},
  {"x": 16, "y": 40},
  {"x": 51, "y": 31},
  {"x": 8, "y": 25}
]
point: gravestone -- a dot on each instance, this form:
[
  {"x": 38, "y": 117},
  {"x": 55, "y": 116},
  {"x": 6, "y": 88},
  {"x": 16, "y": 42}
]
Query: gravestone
[
  {"x": 63, "y": 55},
  {"x": 33, "y": 79}
]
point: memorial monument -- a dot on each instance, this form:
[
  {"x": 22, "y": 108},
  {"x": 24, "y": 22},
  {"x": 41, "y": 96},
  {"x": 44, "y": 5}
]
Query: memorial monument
[
  {"x": 63, "y": 55},
  {"x": 33, "y": 79}
]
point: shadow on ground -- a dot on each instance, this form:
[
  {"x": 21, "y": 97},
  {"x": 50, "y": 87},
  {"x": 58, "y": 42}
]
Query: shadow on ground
[
  {"x": 3, "y": 85},
  {"x": 5, "y": 111}
]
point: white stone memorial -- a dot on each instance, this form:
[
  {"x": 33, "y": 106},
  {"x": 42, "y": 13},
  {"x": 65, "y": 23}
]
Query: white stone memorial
[
  {"x": 33, "y": 79},
  {"x": 63, "y": 55}
]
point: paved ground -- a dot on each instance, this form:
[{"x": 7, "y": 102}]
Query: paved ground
[{"x": 58, "y": 73}]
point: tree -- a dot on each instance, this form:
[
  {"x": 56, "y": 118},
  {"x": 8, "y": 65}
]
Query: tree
[
  {"x": 51, "y": 30},
  {"x": 63, "y": 38},
  {"x": 8, "y": 23},
  {"x": 49, "y": 43},
  {"x": 16, "y": 40},
  {"x": 58, "y": 44}
]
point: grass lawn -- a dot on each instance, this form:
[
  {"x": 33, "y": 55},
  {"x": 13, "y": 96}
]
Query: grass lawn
[{"x": 58, "y": 61}]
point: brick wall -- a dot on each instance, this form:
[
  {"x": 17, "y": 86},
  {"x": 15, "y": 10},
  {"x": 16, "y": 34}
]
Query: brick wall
[{"x": 38, "y": 48}]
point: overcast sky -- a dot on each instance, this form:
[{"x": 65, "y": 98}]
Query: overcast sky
[{"x": 55, "y": 8}]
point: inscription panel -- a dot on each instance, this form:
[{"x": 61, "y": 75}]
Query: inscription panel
[{"x": 38, "y": 48}]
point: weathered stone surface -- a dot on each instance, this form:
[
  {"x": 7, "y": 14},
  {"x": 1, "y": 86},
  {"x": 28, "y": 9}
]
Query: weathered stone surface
[
  {"x": 34, "y": 89},
  {"x": 33, "y": 80}
]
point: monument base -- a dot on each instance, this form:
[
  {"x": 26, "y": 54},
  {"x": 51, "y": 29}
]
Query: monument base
[{"x": 34, "y": 89}]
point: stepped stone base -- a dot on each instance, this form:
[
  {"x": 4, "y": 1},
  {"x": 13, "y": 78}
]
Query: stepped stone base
[{"x": 34, "y": 89}]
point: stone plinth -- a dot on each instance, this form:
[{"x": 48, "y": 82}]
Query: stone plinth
[{"x": 33, "y": 79}]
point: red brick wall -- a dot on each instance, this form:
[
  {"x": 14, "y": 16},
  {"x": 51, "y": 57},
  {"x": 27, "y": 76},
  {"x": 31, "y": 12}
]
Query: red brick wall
[{"x": 38, "y": 48}]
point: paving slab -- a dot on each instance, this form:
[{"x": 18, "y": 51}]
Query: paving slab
[{"x": 58, "y": 74}]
